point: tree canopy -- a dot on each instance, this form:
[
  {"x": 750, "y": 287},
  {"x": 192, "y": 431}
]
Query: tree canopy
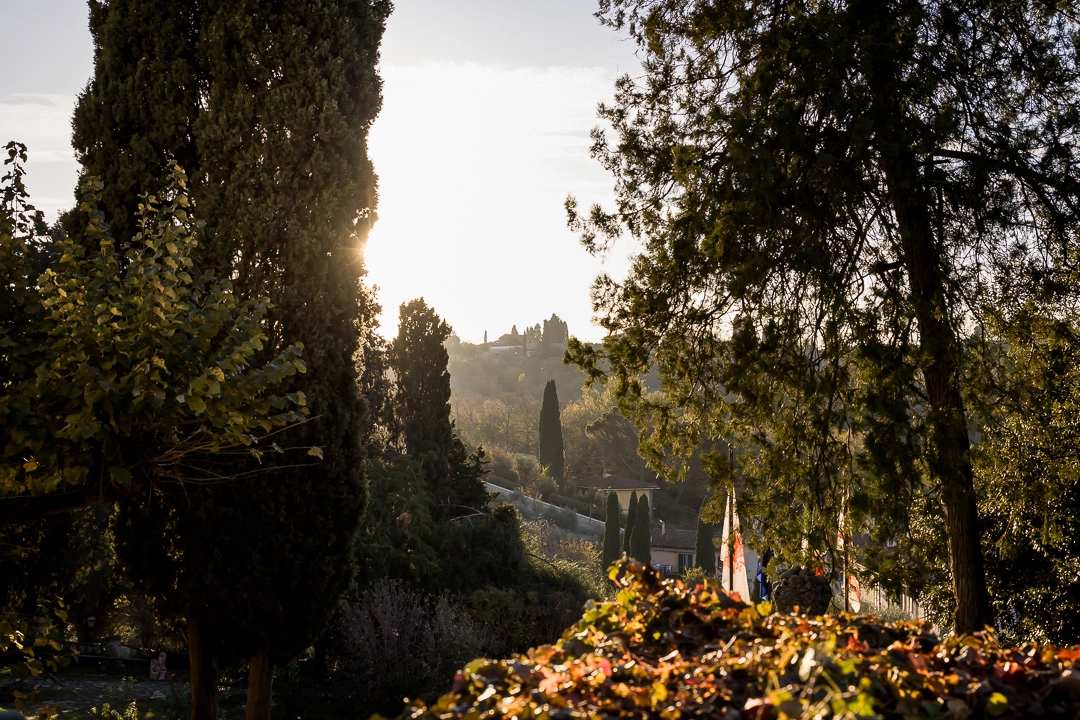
[
  {"x": 830, "y": 198},
  {"x": 270, "y": 106},
  {"x": 125, "y": 369}
]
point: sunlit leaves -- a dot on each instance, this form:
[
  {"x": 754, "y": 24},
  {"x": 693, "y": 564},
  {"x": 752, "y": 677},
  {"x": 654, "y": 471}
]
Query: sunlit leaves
[
  {"x": 128, "y": 366},
  {"x": 662, "y": 649}
]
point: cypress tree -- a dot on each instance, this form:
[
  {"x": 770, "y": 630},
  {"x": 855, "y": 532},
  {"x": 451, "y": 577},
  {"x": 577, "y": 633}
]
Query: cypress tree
[
  {"x": 641, "y": 537},
  {"x": 612, "y": 546},
  {"x": 422, "y": 408},
  {"x": 705, "y": 552},
  {"x": 551, "y": 439},
  {"x": 631, "y": 518},
  {"x": 139, "y": 109},
  {"x": 277, "y": 140}
]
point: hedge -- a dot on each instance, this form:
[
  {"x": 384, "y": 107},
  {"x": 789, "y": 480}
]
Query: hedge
[{"x": 663, "y": 650}]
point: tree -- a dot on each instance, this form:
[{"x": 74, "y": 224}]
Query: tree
[
  {"x": 631, "y": 518},
  {"x": 125, "y": 371},
  {"x": 422, "y": 384},
  {"x": 551, "y": 439},
  {"x": 612, "y": 547},
  {"x": 641, "y": 535},
  {"x": 1028, "y": 486},
  {"x": 705, "y": 551},
  {"x": 422, "y": 411},
  {"x": 285, "y": 98},
  {"x": 829, "y": 199},
  {"x": 138, "y": 111}
]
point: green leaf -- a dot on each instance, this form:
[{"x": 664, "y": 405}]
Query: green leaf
[
  {"x": 121, "y": 476},
  {"x": 997, "y": 704}
]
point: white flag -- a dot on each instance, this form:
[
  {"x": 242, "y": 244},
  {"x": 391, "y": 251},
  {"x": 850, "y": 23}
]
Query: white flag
[{"x": 734, "y": 581}]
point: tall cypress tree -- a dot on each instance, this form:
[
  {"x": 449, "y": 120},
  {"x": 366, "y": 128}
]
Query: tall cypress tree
[
  {"x": 422, "y": 408},
  {"x": 284, "y": 96},
  {"x": 631, "y": 518},
  {"x": 641, "y": 537},
  {"x": 612, "y": 546},
  {"x": 705, "y": 552},
  {"x": 138, "y": 110},
  {"x": 551, "y": 439}
]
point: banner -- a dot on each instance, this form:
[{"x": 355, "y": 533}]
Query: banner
[{"x": 734, "y": 582}]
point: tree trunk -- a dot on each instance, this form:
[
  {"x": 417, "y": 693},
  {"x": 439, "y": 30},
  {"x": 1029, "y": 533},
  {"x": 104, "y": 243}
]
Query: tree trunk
[
  {"x": 260, "y": 686},
  {"x": 946, "y": 418},
  {"x": 204, "y": 672}
]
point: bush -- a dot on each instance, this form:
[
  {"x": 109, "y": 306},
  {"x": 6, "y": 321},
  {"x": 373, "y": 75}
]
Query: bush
[
  {"x": 396, "y": 641},
  {"x": 661, "y": 649}
]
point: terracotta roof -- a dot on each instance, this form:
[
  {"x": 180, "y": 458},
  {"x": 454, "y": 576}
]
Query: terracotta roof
[
  {"x": 674, "y": 539},
  {"x": 614, "y": 482}
]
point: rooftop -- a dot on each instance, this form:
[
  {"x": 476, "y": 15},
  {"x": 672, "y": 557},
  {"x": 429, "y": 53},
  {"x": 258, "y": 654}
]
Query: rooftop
[{"x": 674, "y": 539}]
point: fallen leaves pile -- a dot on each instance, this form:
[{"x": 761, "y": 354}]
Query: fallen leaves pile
[{"x": 662, "y": 650}]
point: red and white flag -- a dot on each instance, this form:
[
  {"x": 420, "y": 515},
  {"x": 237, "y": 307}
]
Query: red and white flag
[{"x": 734, "y": 581}]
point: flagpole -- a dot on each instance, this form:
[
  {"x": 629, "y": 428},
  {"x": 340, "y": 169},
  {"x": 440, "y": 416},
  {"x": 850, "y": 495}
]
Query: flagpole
[
  {"x": 843, "y": 533},
  {"x": 731, "y": 519}
]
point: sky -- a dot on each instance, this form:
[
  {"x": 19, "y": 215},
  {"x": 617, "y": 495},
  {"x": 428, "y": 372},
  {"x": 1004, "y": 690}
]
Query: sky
[{"x": 483, "y": 133}]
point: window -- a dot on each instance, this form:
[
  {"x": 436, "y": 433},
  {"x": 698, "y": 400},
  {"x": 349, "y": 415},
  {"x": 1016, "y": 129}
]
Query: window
[{"x": 686, "y": 561}]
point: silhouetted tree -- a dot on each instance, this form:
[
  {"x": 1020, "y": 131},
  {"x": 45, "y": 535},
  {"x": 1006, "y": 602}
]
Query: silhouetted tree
[
  {"x": 705, "y": 551},
  {"x": 612, "y": 547},
  {"x": 641, "y": 535},
  {"x": 551, "y": 439},
  {"x": 422, "y": 410},
  {"x": 268, "y": 109},
  {"x": 631, "y": 518}
]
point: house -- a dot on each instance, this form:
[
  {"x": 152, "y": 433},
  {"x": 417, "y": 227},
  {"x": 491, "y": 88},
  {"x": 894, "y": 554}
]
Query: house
[
  {"x": 674, "y": 551},
  {"x": 623, "y": 486}
]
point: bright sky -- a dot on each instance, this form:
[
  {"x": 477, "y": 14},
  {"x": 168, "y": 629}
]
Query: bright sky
[{"x": 484, "y": 131}]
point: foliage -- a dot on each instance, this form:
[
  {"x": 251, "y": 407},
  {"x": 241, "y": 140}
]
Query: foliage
[
  {"x": 551, "y": 438},
  {"x": 30, "y": 646},
  {"x": 434, "y": 624},
  {"x": 668, "y": 650},
  {"x": 273, "y": 104},
  {"x": 1029, "y": 479},
  {"x": 612, "y": 543},
  {"x": 828, "y": 198},
  {"x": 126, "y": 369},
  {"x": 68, "y": 555},
  {"x": 422, "y": 399},
  {"x": 421, "y": 405}
]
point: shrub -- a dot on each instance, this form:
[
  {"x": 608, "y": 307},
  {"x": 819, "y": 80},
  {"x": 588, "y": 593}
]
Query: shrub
[
  {"x": 661, "y": 649},
  {"x": 396, "y": 641}
]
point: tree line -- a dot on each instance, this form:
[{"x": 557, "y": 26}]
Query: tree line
[
  {"x": 194, "y": 401},
  {"x": 857, "y": 225}
]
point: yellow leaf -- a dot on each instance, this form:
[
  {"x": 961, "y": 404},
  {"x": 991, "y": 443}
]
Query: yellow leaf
[
  {"x": 158, "y": 362},
  {"x": 315, "y": 452},
  {"x": 197, "y": 404}
]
